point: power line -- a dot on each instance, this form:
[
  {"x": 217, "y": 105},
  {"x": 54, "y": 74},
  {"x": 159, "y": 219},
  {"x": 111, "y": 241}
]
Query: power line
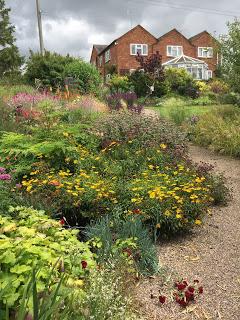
[{"x": 189, "y": 8}]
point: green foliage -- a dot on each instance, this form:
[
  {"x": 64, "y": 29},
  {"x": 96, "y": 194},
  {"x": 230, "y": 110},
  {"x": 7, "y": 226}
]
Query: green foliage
[
  {"x": 87, "y": 76},
  {"x": 10, "y": 59},
  {"x": 140, "y": 82},
  {"x": 219, "y": 130},
  {"x": 24, "y": 234},
  {"x": 180, "y": 81},
  {"x": 49, "y": 69},
  {"x": 114, "y": 237},
  {"x": 229, "y": 48},
  {"x": 149, "y": 131},
  {"x": 119, "y": 84}
]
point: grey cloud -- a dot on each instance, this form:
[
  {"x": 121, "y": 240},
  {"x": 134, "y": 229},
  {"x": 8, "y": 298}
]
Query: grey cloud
[{"x": 71, "y": 26}]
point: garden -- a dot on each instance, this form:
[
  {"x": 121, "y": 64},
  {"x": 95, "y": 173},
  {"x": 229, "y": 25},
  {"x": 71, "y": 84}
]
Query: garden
[{"x": 99, "y": 181}]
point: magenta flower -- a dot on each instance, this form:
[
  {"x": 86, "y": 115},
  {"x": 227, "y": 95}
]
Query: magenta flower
[{"x": 5, "y": 176}]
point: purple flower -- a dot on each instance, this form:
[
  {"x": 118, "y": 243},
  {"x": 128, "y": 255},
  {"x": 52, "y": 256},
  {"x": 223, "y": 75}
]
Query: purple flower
[
  {"x": 2, "y": 170},
  {"x": 5, "y": 176}
]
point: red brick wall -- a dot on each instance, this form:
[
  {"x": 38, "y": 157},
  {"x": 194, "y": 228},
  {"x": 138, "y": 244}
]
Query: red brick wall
[
  {"x": 205, "y": 40},
  {"x": 136, "y": 36},
  {"x": 94, "y": 56},
  {"x": 173, "y": 38}
]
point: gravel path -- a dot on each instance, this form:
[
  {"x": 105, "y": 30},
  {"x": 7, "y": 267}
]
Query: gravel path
[{"x": 211, "y": 254}]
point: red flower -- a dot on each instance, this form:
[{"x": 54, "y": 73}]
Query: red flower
[
  {"x": 182, "y": 302},
  {"x": 162, "y": 299},
  {"x": 181, "y": 286},
  {"x": 190, "y": 289},
  {"x": 200, "y": 290},
  {"x": 136, "y": 211},
  {"x": 62, "y": 221},
  {"x": 84, "y": 264},
  {"x": 189, "y": 295}
]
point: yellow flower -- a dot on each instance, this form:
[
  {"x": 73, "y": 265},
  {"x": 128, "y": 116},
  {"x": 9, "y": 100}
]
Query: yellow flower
[
  {"x": 167, "y": 213},
  {"x": 178, "y": 216},
  {"x": 198, "y": 222},
  {"x": 158, "y": 226},
  {"x": 66, "y": 134},
  {"x": 163, "y": 146}
]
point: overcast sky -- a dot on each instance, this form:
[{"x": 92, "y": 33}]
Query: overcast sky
[{"x": 72, "y": 26}]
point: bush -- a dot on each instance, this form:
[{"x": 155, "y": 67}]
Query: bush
[
  {"x": 25, "y": 233},
  {"x": 230, "y": 98},
  {"x": 219, "y": 130},
  {"x": 180, "y": 81},
  {"x": 140, "y": 82},
  {"x": 219, "y": 86},
  {"x": 87, "y": 76},
  {"x": 49, "y": 69},
  {"x": 119, "y": 84},
  {"x": 115, "y": 237}
]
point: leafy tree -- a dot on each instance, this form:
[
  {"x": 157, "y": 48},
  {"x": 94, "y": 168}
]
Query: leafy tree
[
  {"x": 85, "y": 74},
  {"x": 230, "y": 51},
  {"x": 153, "y": 68},
  {"x": 49, "y": 69},
  {"x": 10, "y": 59}
]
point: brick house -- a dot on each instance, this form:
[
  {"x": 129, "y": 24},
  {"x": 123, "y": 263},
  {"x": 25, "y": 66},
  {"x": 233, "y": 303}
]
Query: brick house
[{"x": 198, "y": 54}]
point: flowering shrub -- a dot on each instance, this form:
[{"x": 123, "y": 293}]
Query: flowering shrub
[
  {"x": 118, "y": 101},
  {"x": 169, "y": 196},
  {"x": 27, "y": 100},
  {"x": 30, "y": 239}
]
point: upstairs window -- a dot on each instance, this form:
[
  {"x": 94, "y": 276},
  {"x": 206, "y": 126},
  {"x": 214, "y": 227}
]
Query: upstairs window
[
  {"x": 100, "y": 61},
  {"x": 107, "y": 56},
  {"x": 174, "y": 51},
  {"x": 205, "y": 52},
  {"x": 141, "y": 49}
]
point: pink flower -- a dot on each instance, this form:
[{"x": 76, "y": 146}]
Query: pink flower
[
  {"x": 5, "y": 176},
  {"x": 2, "y": 170}
]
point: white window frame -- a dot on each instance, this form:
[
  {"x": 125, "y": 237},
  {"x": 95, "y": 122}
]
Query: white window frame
[
  {"x": 100, "y": 61},
  {"x": 107, "y": 56},
  {"x": 207, "y": 50},
  {"x": 132, "y": 71},
  {"x": 169, "y": 54},
  {"x": 134, "y": 47},
  {"x": 209, "y": 74}
]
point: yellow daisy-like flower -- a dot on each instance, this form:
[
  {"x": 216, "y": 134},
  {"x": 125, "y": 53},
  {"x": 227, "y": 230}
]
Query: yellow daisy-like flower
[
  {"x": 178, "y": 216},
  {"x": 198, "y": 222},
  {"x": 163, "y": 146}
]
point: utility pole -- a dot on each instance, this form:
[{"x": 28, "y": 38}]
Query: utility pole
[{"x": 39, "y": 17}]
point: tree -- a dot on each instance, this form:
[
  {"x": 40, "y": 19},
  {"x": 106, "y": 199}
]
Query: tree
[
  {"x": 49, "y": 69},
  {"x": 230, "y": 52},
  {"x": 10, "y": 59},
  {"x": 85, "y": 74},
  {"x": 152, "y": 66}
]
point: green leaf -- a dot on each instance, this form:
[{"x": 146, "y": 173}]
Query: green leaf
[{"x": 20, "y": 269}]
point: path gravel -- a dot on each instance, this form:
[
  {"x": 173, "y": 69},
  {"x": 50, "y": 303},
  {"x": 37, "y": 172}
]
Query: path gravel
[{"x": 211, "y": 254}]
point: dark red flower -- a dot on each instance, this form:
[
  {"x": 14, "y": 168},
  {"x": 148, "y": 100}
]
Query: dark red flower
[
  {"x": 185, "y": 282},
  {"x": 181, "y": 286},
  {"x": 189, "y": 295},
  {"x": 162, "y": 299},
  {"x": 182, "y": 302},
  {"x": 190, "y": 289},
  {"x": 200, "y": 290},
  {"x": 62, "y": 221},
  {"x": 84, "y": 264}
]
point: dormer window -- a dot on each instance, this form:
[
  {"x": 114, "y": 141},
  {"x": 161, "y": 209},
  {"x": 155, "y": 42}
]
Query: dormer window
[
  {"x": 136, "y": 49},
  {"x": 174, "y": 51},
  {"x": 205, "y": 52},
  {"x": 107, "y": 56}
]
